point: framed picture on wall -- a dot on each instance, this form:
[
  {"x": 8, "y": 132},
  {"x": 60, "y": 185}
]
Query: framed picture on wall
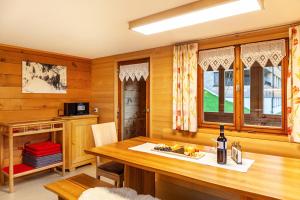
[{"x": 43, "y": 78}]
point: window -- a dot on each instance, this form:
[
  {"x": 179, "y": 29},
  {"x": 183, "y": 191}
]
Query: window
[
  {"x": 265, "y": 94},
  {"x": 218, "y": 79},
  {"x": 218, "y": 99},
  {"x": 272, "y": 92},
  {"x": 258, "y": 86}
]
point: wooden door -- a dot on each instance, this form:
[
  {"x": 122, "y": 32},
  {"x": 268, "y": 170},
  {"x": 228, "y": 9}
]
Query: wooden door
[
  {"x": 82, "y": 138},
  {"x": 143, "y": 87}
]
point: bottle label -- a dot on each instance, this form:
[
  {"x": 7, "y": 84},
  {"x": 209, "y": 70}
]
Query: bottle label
[{"x": 222, "y": 145}]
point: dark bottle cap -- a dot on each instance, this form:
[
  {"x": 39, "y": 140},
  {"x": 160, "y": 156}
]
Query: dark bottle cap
[{"x": 222, "y": 128}]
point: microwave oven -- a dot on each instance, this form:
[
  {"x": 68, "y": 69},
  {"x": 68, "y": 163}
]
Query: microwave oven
[{"x": 81, "y": 108}]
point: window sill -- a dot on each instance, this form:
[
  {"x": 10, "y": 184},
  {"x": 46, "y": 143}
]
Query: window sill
[{"x": 245, "y": 134}]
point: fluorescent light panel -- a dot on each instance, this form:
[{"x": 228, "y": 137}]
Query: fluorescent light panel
[{"x": 200, "y": 16}]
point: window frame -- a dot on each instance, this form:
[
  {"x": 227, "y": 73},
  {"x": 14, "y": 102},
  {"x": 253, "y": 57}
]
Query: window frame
[
  {"x": 221, "y": 103},
  {"x": 238, "y": 95},
  {"x": 206, "y": 124}
]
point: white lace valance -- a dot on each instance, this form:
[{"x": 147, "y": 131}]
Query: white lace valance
[
  {"x": 134, "y": 71},
  {"x": 216, "y": 57},
  {"x": 262, "y": 52}
]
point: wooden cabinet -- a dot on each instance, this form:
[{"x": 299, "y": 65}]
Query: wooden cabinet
[{"x": 79, "y": 137}]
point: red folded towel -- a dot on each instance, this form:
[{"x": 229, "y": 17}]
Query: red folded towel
[
  {"x": 42, "y": 146},
  {"x": 19, "y": 168},
  {"x": 42, "y": 153}
]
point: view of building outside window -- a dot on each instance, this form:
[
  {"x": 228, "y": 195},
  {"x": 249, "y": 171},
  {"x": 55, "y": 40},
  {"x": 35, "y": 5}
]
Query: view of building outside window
[
  {"x": 272, "y": 90},
  {"x": 246, "y": 91},
  {"x": 262, "y": 96},
  {"x": 228, "y": 91}
]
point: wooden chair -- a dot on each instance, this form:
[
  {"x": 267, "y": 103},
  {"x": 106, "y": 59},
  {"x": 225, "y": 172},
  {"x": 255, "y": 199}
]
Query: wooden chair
[{"x": 106, "y": 134}]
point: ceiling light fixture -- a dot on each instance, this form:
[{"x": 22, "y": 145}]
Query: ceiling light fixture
[{"x": 194, "y": 13}]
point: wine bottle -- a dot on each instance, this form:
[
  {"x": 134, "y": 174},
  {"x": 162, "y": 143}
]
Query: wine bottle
[{"x": 221, "y": 147}]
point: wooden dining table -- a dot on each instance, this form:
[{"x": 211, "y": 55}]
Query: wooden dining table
[{"x": 269, "y": 177}]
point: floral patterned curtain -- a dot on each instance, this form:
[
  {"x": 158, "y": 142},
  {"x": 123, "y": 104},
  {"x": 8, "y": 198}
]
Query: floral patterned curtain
[
  {"x": 293, "y": 85},
  {"x": 185, "y": 87}
]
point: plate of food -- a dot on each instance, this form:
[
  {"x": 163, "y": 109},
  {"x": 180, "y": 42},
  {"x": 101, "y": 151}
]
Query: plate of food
[{"x": 189, "y": 151}]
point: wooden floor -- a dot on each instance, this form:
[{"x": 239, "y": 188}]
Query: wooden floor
[{"x": 31, "y": 188}]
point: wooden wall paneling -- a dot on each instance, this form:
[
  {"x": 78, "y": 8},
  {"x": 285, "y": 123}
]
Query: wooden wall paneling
[
  {"x": 35, "y": 52},
  {"x": 102, "y": 90},
  {"x": 17, "y": 106},
  {"x": 161, "y": 90},
  {"x": 245, "y": 37}
]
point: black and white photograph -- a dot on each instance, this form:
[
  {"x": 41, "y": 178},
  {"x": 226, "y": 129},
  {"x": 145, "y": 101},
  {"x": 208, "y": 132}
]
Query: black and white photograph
[{"x": 43, "y": 78}]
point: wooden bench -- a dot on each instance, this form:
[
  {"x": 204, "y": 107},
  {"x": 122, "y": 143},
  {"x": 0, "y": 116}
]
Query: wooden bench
[{"x": 71, "y": 188}]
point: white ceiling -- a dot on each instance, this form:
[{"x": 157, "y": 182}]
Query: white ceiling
[{"x": 97, "y": 28}]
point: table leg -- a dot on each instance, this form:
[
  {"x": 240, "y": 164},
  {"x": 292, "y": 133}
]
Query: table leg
[{"x": 140, "y": 180}]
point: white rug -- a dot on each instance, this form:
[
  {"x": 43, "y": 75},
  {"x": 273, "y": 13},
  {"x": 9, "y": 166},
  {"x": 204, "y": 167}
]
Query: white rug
[{"x": 100, "y": 193}]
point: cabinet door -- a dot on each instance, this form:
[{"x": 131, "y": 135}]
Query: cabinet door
[{"x": 82, "y": 138}]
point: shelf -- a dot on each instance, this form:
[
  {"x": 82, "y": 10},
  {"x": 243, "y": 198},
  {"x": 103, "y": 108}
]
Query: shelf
[
  {"x": 34, "y": 170},
  {"x": 29, "y": 123},
  {"x": 36, "y": 132},
  {"x": 74, "y": 117},
  {"x": 16, "y": 129},
  {"x": 31, "y": 128}
]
